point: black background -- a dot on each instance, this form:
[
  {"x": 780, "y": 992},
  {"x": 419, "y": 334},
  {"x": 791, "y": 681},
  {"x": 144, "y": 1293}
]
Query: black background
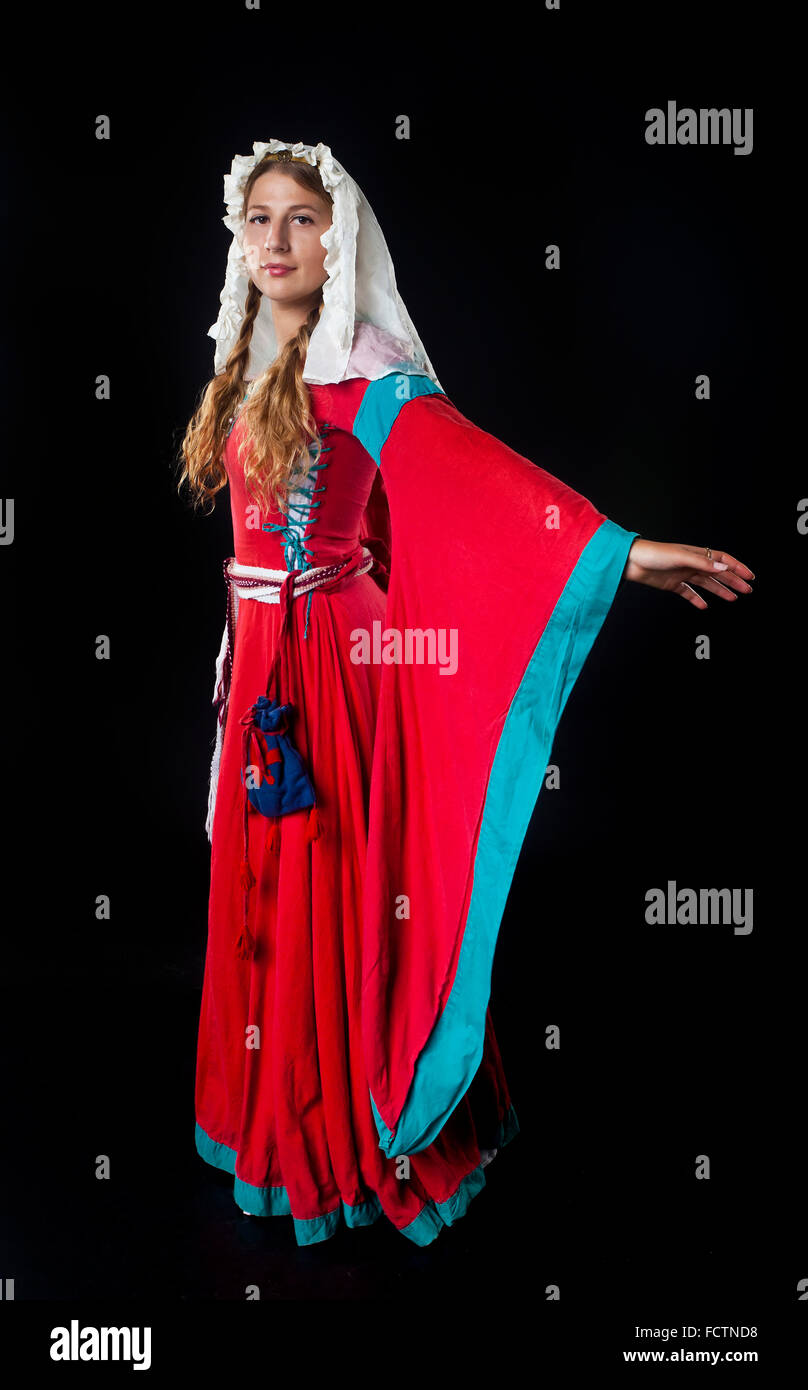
[{"x": 526, "y": 129}]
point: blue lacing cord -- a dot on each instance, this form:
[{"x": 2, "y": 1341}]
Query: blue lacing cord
[{"x": 293, "y": 540}]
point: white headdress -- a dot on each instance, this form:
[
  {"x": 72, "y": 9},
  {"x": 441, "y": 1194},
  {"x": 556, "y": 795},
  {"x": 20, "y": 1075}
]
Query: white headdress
[{"x": 364, "y": 329}]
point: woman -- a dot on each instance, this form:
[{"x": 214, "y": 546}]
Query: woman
[{"x": 347, "y": 1065}]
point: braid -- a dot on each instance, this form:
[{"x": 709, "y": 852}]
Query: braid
[{"x": 236, "y": 364}]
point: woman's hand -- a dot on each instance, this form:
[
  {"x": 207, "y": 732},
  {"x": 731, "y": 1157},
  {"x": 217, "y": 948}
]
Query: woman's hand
[{"x": 677, "y": 567}]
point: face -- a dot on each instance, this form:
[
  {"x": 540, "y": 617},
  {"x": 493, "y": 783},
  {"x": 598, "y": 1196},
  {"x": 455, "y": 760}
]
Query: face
[{"x": 283, "y": 227}]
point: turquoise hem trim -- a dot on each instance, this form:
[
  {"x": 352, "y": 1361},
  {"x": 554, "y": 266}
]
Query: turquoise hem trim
[
  {"x": 426, "y": 1227},
  {"x": 219, "y": 1155},
  {"x": 379, "y": 407},
  {"x": 363, "y": 1215},
  {"x": 274, "y": 1201},
  {"x": 453, "y": 1052},
  {"x": 429, "y": 1222},
  {"x": 508, "y": 1130}
]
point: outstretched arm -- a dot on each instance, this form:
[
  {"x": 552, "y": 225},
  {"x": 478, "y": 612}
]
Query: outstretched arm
[{"x": 677, "y": 567}]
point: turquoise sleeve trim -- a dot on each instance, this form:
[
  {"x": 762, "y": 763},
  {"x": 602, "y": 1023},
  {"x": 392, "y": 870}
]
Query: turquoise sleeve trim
[
  {"x": 453, "y": 1052},
  {"x": 380, "y": 405}
]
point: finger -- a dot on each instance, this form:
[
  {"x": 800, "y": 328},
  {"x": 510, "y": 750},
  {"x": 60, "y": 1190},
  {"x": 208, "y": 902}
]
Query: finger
[
  {"x": 736, "y": 566},
  {"x": 733, "y": 581},
  {"x": 729, "y": 578},
  {"x": 690, "y": 594},
  {"x": 721, "y": 557},
  {"x": 715, "y": 586}
]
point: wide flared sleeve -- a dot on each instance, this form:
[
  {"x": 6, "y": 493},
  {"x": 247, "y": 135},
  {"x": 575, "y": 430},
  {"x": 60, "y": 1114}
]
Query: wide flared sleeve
[{"x": 500, "y": 579}]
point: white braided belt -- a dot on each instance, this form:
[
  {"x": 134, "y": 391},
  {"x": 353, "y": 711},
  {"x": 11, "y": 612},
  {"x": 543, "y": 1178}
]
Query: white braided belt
[{"x": 303, "y": 582}]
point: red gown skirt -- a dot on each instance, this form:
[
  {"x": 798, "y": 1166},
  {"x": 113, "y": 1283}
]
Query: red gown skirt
[{"x": 281, "y": 1098}]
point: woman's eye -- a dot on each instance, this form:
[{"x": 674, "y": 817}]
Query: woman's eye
[{"x": 261, "y": 217}]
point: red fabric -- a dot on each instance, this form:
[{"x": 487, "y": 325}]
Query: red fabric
[{"x": 297, "y": 1109}]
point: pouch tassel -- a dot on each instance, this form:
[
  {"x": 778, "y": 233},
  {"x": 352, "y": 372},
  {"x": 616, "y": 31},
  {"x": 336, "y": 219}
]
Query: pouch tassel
[
  {"x": 273, "y": 837},
  {"x": 245, "y": 946},
  {"x": 313, "y": 826}
]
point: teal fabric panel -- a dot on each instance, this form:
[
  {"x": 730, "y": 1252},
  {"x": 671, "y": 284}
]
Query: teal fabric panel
[{"x": 380, "y": 405}]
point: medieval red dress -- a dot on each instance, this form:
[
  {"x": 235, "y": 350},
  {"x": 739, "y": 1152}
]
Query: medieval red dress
[{"x": 348, "y": 1068}]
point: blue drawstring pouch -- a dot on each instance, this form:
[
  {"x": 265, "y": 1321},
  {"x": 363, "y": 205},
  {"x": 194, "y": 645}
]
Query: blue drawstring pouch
[{"x": 282, "y": 782}]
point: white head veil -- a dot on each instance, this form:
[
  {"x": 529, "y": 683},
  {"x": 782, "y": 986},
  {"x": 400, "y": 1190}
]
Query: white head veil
[{"x": 364, "y": 329}]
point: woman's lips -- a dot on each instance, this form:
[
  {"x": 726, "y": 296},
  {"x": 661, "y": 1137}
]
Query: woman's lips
[{"x": 278, "y": 269}]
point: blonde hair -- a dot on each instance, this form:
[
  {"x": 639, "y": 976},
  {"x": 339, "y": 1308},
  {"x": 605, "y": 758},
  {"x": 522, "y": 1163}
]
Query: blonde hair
[{"x": 277, "y": 420}]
